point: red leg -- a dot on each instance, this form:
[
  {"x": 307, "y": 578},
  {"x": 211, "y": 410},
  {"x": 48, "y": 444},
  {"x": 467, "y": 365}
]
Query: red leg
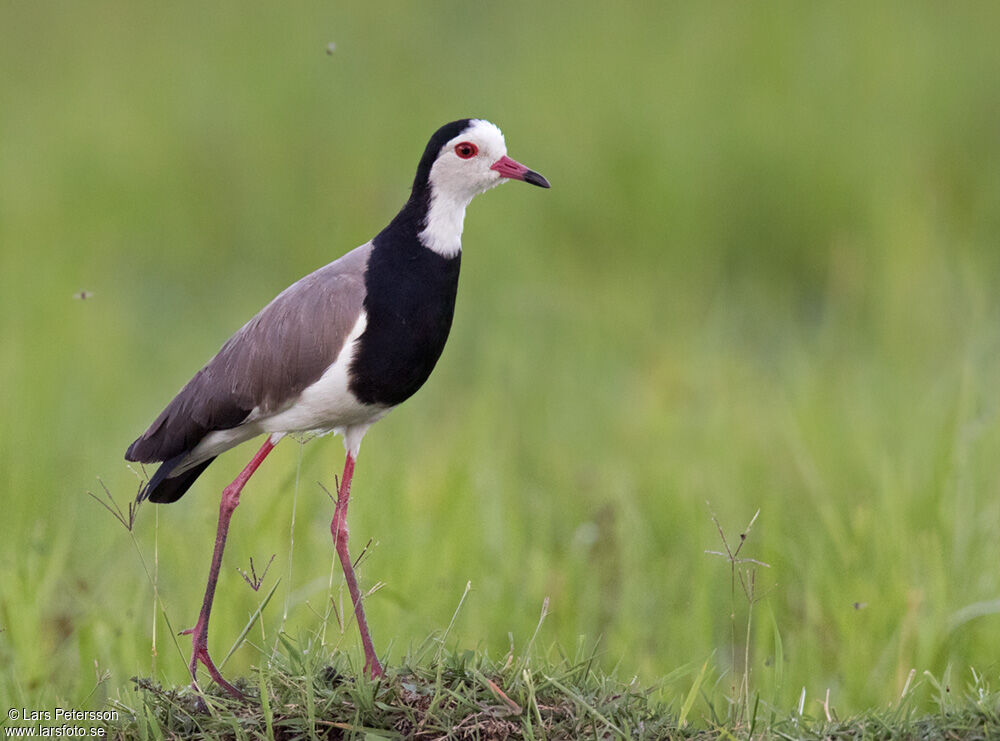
[
  {"x": 199, "y": 633},
  {"x": 340, "y": 533}
]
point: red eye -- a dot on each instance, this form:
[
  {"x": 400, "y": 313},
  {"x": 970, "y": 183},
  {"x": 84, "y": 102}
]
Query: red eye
[{"x": 465, "y": 150}]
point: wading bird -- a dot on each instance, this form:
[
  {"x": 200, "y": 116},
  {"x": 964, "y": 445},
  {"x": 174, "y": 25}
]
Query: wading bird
[{"x": 336, "y": 351}]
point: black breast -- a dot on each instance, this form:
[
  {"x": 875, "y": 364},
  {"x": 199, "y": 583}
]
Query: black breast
[{"x": 410, "y": 303}]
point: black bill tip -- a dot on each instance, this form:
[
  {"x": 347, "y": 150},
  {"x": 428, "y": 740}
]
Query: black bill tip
[{"x": 535, "y": 179}]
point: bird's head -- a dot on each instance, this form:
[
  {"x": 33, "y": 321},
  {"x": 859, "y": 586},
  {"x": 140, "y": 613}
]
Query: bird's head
[
  {"x": 467, "y": 157},
  {"x": 463, "y": 159}
]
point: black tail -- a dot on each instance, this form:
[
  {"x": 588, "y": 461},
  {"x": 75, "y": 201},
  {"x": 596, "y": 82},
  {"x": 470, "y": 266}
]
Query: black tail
[{"x": 164, "y": 488}]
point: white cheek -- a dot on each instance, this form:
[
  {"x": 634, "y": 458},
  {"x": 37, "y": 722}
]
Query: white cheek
[
  {"x": 461, "y": 179},
  {"x": 493, "y": 179}
]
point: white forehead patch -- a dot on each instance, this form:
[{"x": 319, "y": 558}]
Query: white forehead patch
[{"x": 487, "y": 136}]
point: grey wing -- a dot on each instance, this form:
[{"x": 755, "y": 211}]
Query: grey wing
[{"x": 267, "y": 363}]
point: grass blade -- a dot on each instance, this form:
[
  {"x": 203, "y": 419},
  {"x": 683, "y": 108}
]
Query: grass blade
[
  {"x": 250, "y": 623},
  {"x": 691, "y": 695}
]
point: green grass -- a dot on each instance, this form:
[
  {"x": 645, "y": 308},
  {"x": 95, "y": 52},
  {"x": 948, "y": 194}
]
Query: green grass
[
  {"x": 440, "y": 692},
  {"x": 435, "y": 691},
  {"x": 765, "y": 278}
]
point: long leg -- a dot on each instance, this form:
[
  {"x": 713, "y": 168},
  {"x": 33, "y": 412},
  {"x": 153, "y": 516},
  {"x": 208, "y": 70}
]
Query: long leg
[
  {"x": 340, "y": 533},
  {"x": 199, "y": 633}
]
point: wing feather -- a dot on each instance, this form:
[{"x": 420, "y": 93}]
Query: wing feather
[{"x": 267, "y": 363}]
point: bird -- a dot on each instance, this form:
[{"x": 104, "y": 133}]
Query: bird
[{"x": 334, "y": 352}]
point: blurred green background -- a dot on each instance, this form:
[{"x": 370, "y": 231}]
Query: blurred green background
[{"x": 765, "y": 278}]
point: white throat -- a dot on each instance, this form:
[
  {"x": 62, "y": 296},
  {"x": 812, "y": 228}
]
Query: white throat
[{"x": 445, "y": 220}]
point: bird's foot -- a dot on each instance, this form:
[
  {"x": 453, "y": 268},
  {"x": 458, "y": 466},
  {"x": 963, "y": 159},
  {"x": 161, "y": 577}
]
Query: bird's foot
[{"x": 200, "y": 653}]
